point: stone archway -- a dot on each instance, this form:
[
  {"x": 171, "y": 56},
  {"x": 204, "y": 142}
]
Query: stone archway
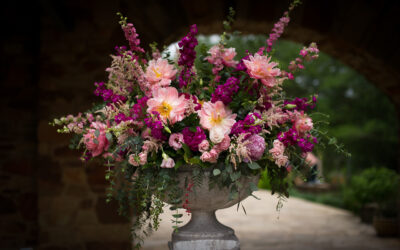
[{"x": 55, "y": 50}]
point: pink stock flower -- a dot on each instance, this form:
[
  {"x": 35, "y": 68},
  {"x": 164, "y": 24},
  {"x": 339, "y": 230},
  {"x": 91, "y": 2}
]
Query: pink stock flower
[
  {"x": 168, "y": 104},
  {"x": 303, "y": 124},
  {"x": 168, "y": 163},
  {"x": 223, "y": 145},
  {"x": 95, "y": 139},
  {"x": 176, "y": 140},
  {"x": 204, "y": 146},
  {"x": 218, "y": 119},
  {"x": 159, "y": 73},
  {"x": 260, "y": 67},
  {"x": 211, "y": 156}
]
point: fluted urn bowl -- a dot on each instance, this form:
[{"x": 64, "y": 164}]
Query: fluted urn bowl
[{"x": 204, "y": 231}]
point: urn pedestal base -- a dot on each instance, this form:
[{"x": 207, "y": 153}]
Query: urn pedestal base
[{"x": 204, "y": 232}]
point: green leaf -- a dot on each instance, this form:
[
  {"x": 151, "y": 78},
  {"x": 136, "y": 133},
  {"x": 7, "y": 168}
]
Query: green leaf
[
  {"x": 216, "y": 172},
  {"x": 253, "y": 165},
  {"x": 195, "y": 160},
  {"x": 96, "y": 141},
  {"x": 253, "y": 187},
  {"x": 177, "y": 216},
  {"x": 109, "y": 136},
  {"x": 97, "y": 133},
  {"x": 178, "y": 164},
  {"x": 188, "y": 153},
  {"x": 235, "y": 176}
]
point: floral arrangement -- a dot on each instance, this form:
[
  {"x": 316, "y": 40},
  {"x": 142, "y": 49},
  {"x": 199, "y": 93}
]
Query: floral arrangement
[{"x": 207, "y": 110}]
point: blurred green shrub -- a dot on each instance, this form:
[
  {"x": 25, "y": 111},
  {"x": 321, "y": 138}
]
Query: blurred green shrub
[{"x": 373, "y": 185}]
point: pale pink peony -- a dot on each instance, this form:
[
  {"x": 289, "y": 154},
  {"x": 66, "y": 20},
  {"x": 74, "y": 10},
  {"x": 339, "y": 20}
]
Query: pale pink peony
[
  {"x": 168, "y": 104},
  {"x": 260, "y": 67},
  {"x": 204, "y": 146},
  {"x": 221, "y": 56},
  {"x": 159, "y": 73},
  {"x": 96, "y": 144},
  {"x": 211, "y": 156},
  {"x": 168, "y": 163},
  {"x": 176, "y": 140},
  {"x": 303, "y": 124},
  {"x": 228, "y": 56},
  {"x": 223, "y": 145},
  {"x": 218, "y": 119}
]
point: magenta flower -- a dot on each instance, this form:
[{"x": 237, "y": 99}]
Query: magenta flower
[{"x": 193, "y": 139}]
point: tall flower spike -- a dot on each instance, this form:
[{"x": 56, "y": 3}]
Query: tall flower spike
[
  {"x": 130, "y": 34},
  {"x": 187, "y": 56}
]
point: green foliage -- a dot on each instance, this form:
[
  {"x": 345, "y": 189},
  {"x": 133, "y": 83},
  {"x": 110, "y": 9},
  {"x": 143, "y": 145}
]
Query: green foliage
[{"x": 378, "y": 185}]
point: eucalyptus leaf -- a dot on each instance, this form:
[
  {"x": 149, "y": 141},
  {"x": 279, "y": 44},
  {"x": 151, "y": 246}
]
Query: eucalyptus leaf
[
  {"x": 216, "y": 172},
  {"x": 253, "y": 165}
]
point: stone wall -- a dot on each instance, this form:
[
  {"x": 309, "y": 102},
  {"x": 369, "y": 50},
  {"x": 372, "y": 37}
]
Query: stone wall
[
  {"x": 55, "y": 50},
  {"x": 19, "y": 76}
]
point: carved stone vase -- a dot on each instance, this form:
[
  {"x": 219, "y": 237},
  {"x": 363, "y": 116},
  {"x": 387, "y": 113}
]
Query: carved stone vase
[{"x": 204, "y": 231}]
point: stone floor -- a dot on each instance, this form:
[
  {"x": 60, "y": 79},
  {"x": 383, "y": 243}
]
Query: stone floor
[{"x": 300, "y": 225}]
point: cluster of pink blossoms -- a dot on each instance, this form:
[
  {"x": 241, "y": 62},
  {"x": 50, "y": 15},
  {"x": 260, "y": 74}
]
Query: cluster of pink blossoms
[{"x": 145, "y": 100}]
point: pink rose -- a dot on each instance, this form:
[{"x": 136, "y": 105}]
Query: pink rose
[
  {"x": 211, "y": 156},
  {"x": 176, "y": 140},
  {"x": 223, "y": 145},
  {"x": 303, "y": 124},
  {"x": 143, "y": 158},
  {"x": 278, "y": 149},
  {"x": 168, "y": 163},
  {"x": 204, "y": 146},
  {"x": 96, "y": 143},
  {"x": 281, "y": 160}
]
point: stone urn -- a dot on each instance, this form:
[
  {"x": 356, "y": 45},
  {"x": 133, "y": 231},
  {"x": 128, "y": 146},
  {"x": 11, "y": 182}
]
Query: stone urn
[{"x": 204, "y": 231}]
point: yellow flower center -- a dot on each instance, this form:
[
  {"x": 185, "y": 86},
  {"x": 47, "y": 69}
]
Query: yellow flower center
[
  {"x": 215, "y": 119},
  {"x": 157, "y": 72},
  {"x": 164, "y": 109}
]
